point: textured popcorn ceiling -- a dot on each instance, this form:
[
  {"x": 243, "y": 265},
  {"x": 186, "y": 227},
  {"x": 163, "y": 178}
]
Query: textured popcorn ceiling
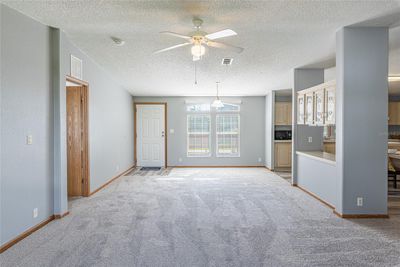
[{"x": 277, "y": 36}]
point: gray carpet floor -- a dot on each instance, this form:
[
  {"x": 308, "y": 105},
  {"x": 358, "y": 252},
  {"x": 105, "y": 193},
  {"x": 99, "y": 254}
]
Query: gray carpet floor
[{"x": 207, "y": 217}]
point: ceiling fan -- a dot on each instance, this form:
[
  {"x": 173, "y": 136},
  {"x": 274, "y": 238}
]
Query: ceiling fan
[{"x": 198, "y": 39}]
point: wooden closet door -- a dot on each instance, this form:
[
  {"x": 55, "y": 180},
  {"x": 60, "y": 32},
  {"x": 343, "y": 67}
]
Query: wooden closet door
[{"x": 74, "y": 140}]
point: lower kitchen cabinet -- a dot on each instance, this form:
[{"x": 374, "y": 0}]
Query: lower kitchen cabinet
[
  {"x": 283, "y": 154},
  {"x": 330, "y": 147}
]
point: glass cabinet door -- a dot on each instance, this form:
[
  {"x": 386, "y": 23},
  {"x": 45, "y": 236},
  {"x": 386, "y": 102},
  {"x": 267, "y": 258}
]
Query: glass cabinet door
[
  {"x": 310, "y": 108},
  {"x": 330, "y": 106},
  {"x": 300, "y": 109},
  {"x": 319, "y": 107}
]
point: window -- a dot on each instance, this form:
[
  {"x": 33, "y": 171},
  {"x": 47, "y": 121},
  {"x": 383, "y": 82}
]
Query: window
[
  {"x": 198, "y": 108},
  {"x": 198, "y": 135},
  {"x": 229, "y": 108},
  {"x": 228, "y": 135}
]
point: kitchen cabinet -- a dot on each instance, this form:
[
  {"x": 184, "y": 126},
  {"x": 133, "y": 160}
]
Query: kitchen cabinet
[
  {"x": 330, "y": 103},
  {"x": 394, "y": 113},
  {"x": 316, "y": 105},
  {"x": 283, "y": 154},
  {"x": 309, "y": 110},
  {"x": 283, "y": 113},
  {"x": 330, "y": 147},
  {"x": 319, "y": 116},
  {"x": 300, "y": 108}
]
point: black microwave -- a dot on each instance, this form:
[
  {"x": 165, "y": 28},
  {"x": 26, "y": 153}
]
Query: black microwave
[{"x": 283, "y": 135}]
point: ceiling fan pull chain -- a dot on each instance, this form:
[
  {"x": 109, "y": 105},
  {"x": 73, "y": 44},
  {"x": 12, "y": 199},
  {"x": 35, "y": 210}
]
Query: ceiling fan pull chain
[{"x": 195, "y": 73}]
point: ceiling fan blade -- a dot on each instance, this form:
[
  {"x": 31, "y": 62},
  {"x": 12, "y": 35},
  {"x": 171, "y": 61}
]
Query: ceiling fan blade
[
  {"x": 225, "y": 46},
  {"x": 220, "y": 34},
  {"x": 177, "y": 35},
  {"x": 170, "y": 48}
]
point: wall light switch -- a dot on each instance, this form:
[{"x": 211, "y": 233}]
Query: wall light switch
[
  {"x": 29, "y": 139},
  {"x": 310, "y": 139},
  {"x": 172, "y": 131},
  {"x": 35, "y": 212},
  {"x": 360, "y": 202}
]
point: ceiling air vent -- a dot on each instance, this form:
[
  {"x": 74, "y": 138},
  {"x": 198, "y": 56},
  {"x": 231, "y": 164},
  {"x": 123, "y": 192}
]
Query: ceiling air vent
[{"x": 227, "y": 61}]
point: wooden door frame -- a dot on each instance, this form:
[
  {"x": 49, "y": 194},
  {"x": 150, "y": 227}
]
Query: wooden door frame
[
  {"x": 135, "y": 104},
  {"x": 85, "y": 141}
]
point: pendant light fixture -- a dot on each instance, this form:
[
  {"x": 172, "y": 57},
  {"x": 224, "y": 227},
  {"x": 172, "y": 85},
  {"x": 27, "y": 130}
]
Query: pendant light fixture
[{"x": 217, "y": 103}]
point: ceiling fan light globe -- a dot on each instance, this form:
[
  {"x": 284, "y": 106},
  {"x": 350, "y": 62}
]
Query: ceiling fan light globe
[{"x": 198, "y": 50}]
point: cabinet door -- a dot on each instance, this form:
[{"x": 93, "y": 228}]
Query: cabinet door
[
  {"x": 283, "y": 155},
  {"x": 394, "y": 116},
  {"x": 319, "y": 107},
  {"x": 330, "y": 148},
  {"x": 300, "y": 109},
  {"x": 281, "y": 113},
  {"x": 330, "y": 103},
  {"x": 310, "y": 108}
]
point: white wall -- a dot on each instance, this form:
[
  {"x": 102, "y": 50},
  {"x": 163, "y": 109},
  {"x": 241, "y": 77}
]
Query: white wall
[{"x": 269, "y": 129}]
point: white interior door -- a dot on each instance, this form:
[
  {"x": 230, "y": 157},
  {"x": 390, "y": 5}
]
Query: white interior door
[{"x": 150, "y": 135}]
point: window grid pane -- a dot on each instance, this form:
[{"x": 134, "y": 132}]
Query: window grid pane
[
  {"x": 228, "y": 135},
  {"x": 199, "y": 135}
]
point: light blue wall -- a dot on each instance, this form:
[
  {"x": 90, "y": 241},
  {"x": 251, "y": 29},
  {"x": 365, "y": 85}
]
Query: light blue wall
[
  {"x": 304, "y": 78},
  {"x": 252, "y": 132},
  {"x": 26, "y": 108},
  {"x": 362, "y": 104},
  {"x": 34, "y": 64},
  {"x": 318, "y": 177},
  {"x": 110, "y": 121}
]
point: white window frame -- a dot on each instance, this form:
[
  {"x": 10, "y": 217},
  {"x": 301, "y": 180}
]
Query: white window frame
[
  {"x": 225, "y": 113},
  {"x": 209, "y": 135}
]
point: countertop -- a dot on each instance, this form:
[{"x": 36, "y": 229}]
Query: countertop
[
  {"x": 329, "y": 140},
  {"x": 393, "y": 141},
  {"x": 319, "y": 155},
  {"x": 283, "y": 141}
]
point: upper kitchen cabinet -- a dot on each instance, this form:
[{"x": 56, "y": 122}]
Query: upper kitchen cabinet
[
  {"x": 394, "y": 113},
  {"x": 316, "y": 105},
  {"x": 300, "y": 108},
  {"x": 319, "y": 118},
  {"x": 283, "y": 113},
  {"x": 309, "y": 117},
  {"x": 330, "y": 103}
]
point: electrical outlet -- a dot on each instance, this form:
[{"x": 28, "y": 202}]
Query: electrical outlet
[
  {"x": 310, "y": 139},
  {"x": 180, "y": 160},
  {"x": 259, "y": 159},
  {"x": 35, "y": 212},
  {"x": 29, "y": 139},
  {"x": 360, "y": 201},
  {"x": 117, "y": 168}
]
